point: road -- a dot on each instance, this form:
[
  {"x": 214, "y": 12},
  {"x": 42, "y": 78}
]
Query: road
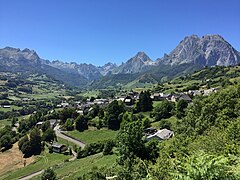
[{"x": 68, "y": 138}]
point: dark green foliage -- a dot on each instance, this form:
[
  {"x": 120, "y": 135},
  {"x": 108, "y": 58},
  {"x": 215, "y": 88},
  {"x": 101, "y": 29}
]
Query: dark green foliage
[
  {"x": 3, "y": 96},
  {"x": 45, "y": 126},
  {"x": 101, "y": 113},
  {"x": 68, "y": 124},
  {"x": 130, "y": 143},
  {"x": 152, "y": 150},
  {"x": 146, "y": 123},
  {"x": 49, "y": 174},
  {"x": 165, "y": 124},
  {"x": 144, "y": 103},
  {"x": 90, "y": 149},
  {"x": 94, "y": 174},
  {"x": 112, "y": 116},
  {"x": 31, "y": 145},
  {"x": 234, "y": 130},
  {"x": 204, "y": 166},
  {"x": 164, "y": 110},
  {"x": 106, "y": 93},
  {"x": 13, "y": 121},
  {"x": 67, "y": 113},
  {"x": 26, "y": 149},
  {"x": 35, "y": 141},
  {"x": 7, "y": 137},
  {"x": 94, "y": 112},
  {"x": 22, "y": 141},
  {"x": 108, "y": 146},
  {"x": 11, "y": 84},
  {"x": 219, "y": 109},
  {"x": 81, "y": 123},
  {"x": 49, "y": 135},
  {"x": 5, "y": 141},
  {"x": 25, "y": 89},
  {"x": 92, "y": 99},
  {"x": 180, "y": 108}
]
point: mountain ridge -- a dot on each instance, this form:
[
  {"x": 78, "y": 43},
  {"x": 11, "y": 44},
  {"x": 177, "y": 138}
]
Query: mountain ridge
[{"x": 208, "y": 50}]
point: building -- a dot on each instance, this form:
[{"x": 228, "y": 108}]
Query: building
[
  {"x": 25, "y": 99},
  {"x": 160, "y": 96},
  {"x": 129, "y": 100},
  {"x": 177, "y": 97},
  {"x": 59, "y": 148},
  {"x": 39, "y": 125},
  {"x": 150, "y": 131},
  {"x": 162, "y": 134}
]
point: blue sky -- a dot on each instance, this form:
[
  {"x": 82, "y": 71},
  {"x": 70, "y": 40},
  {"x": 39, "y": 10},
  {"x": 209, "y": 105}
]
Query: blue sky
[{"x": 99, "y": 31}]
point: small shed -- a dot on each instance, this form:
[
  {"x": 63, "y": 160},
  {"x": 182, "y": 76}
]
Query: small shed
[{"x": 59, "y": 148}]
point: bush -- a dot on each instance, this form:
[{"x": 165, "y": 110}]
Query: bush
[
  {"x": 108, "y": 146},
  {"x": 90, "y": 149},
  {"x": 49, "y": 174}
]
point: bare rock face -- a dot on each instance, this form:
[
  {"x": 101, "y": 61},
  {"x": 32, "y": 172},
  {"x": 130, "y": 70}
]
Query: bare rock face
[
  {"x": 136, "y": 64},
  {"x": 210, "y": 50},
  {"x": 13, "y": 56},
  {"x": 89, "y": 71},
  {"x": 107, "y": 68}
]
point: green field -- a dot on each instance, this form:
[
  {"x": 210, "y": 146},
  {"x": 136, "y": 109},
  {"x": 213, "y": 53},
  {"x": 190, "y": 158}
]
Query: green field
[
  {"x": 89, "y": 94},
  {"x": 74, "y": 169},
  {"x": 5, "y": 122},
  {"x": 67, "y": 143},
  {"x": 42, "y": 161},
  {"x": 172, "y": 120},
  {"x": 91, "y": 136},
  {"x": 10, "y": 109}
]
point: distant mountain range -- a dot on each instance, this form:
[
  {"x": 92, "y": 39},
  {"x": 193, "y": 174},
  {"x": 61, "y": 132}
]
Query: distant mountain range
[{"x": 191, "y": 54}]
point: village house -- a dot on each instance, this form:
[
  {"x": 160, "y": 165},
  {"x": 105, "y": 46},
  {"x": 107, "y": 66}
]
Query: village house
[
  {"x": 53, "y": 123},
  {"x": 160, "y": 135},
  {"x": 195, "y": 92},
  {"x": 150, "y": 131},
  {"x": 64, "y": 104},
  {"x": 39, "y": 125},
  {"x": 129, "y": 101},
  {"x": 177, "y": 97},
  {"x": 59, "y": 148},
  {"x": 160, "y": 96},
  {"x": 25, "y": 99}
]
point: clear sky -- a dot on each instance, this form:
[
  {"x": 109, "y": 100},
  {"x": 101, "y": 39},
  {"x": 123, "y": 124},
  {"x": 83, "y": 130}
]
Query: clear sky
[{"x": 98, "y": 31}]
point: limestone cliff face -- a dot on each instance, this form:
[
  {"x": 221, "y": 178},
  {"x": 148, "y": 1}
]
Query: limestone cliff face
[
  {"x": 136, "y": 64},
  {"x": 12, "y": 56},
  {"x": 210, "y": 50},
  {"x": 89, "y": 71}
]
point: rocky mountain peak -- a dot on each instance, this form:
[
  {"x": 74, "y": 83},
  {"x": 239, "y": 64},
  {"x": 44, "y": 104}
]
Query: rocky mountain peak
[
  {"x": 14, "y": 55},
  {"x": 142, "y": 56},
  {"x": 209, "y": 50},
  {"x": 107, "y": 68},
  {"x": 140, "y": 62}
]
